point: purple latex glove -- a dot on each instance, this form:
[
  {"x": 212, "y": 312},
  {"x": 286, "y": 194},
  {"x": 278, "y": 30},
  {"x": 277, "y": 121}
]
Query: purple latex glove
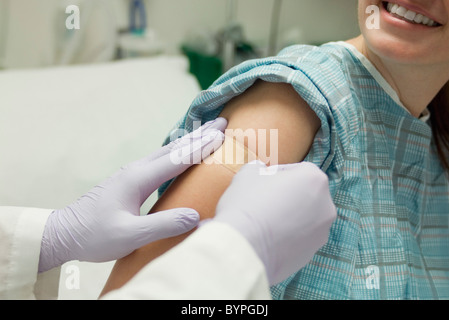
[
  {"x": 285, "y": 212},
  {"x": 105, "y": 224}
]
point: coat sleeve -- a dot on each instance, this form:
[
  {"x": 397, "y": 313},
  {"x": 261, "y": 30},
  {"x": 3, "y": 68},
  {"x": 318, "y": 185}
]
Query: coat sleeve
[
  {"x": 21, "y": 232},
  {"x": 214, "y": 263}
]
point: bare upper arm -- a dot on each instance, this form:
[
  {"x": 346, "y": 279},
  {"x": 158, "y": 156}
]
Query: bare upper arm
[
  {"x": 265, "y": 106},
  {"x": 275, "y": 106}
]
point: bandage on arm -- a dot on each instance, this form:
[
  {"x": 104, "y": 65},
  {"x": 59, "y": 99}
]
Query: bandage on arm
[
  {"x": 263, "y": 107},
  {"x": 232, "y": 155}
]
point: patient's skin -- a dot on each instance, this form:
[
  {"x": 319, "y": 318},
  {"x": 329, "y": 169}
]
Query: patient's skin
[{"x": 263, "y": 106}]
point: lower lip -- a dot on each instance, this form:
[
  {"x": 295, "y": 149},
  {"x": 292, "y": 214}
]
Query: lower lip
[{"x": 394, "y": 21}]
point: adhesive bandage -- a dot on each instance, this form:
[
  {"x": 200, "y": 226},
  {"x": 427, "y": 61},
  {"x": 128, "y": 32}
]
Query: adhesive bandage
[{"x": 232, "y": 155}]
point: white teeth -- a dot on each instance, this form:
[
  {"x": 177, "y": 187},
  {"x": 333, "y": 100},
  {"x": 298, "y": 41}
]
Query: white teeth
[
  {"x": 410, "y": 15},
  {"x": 392, "y": 7},
  {"x": 419, "y": 18},
  {"x": 401, "y": 11},
  {"x": 395, "y": 8}
]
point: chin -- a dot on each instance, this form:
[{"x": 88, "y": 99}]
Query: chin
[{"x": 399, "y": 50}]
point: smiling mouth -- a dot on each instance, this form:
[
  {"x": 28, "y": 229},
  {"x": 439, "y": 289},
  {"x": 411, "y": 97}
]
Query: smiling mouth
[{"x": 405, "y": 14}]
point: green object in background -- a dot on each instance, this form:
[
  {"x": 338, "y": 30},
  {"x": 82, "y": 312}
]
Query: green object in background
[{"x": 205, "y": 68}]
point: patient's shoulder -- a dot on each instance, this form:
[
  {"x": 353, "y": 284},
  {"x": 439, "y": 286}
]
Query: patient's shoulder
[{"x": 275, "y": 106}]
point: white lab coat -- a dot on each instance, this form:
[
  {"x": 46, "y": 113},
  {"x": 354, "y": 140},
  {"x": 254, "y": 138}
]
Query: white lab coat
[
  {"x": 21, "y": 232},
  {"x": 215, "y": 262}
]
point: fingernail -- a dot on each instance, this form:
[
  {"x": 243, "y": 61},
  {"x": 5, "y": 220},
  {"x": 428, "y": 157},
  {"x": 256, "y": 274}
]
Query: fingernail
[
  {"x": 208, "y": 124},
  {"x": 207, "y": 132}
]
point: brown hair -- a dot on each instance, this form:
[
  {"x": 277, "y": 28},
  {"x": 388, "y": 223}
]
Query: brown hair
[{"x": 439, "y": 109}]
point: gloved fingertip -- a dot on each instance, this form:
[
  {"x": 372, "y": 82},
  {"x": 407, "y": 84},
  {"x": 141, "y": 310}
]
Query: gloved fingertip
[
  {"x": 219, "y": 123},
  {"x": 212, "y": 135},
  {"x": 313, "y": 170},
  {"x": 200, "y": 149},
  {"x": 288, "y": 166},
  {"x": 166, "y": 224},
  {"x": 295, "y": 167},
  {"x": 198, "y": 138},
  {"x": 188, "y": 217},
  {"x": 307, "y": 164}
]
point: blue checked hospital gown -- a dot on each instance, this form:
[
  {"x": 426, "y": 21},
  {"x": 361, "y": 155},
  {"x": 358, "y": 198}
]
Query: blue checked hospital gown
[{"x": 391, "y": 236}]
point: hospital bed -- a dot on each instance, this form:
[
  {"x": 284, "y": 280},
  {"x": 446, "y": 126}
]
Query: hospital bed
[{"x": 64, "y": 129}]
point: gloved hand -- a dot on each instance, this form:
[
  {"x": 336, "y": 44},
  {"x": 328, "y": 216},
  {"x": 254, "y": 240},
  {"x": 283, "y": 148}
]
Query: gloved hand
[
  {"x": 285, "y": 212},
  {"x": 105, "y": 224}
]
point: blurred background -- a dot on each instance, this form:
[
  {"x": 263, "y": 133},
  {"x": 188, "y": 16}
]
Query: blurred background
[
  {"x": 77, "y": 104},
  {"x": 216, "y": 33}
]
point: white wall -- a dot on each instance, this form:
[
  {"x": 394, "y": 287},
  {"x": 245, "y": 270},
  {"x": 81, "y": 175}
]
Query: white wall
[{"x": 317, "y": 20}]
